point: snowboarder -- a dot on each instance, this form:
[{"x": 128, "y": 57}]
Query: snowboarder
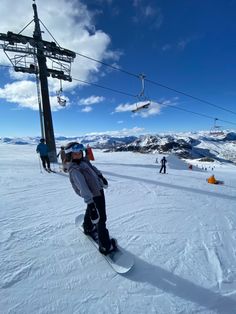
[
  {"x": 42, "y": 150},
  {"x": 88, "y": 182},
  {"x": 212, "y": 180},
  {"x": 63, "y": 158},
  {"x": 163, "y": 165}
]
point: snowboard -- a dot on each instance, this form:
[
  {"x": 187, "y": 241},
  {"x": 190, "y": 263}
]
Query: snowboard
[{"x": 118, "y": 259}]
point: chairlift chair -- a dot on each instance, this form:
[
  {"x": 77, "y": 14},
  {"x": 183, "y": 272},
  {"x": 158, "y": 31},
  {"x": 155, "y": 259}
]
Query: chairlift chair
[
  {"x": 216, "y": 129},
  {"x": 144, "y": 106},
  {"x": 61, "y": 101},
  {"x": 142, "y": 97}
]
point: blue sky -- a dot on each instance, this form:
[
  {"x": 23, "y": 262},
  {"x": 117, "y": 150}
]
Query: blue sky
[{"x": 186, "y": 45}]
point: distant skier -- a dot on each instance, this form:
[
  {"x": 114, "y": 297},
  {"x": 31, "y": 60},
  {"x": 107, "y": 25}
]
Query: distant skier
[
  {"x": 62, "y": 154},
  {"x": 88, "y": 182},
  {"x": 42, "y": 150},
  {"x": 163, "y": 165},
  {"x": 89, "y": 153}
]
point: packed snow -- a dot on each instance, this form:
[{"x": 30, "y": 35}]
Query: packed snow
[{"x": 180, "y": 230}]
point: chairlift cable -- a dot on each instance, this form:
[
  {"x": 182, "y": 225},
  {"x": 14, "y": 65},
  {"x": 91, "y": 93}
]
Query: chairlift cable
[
  {"x": 158, "y": 84},
  {"x": 193, "y": 97},
  {"x": 200, "y": 114},
  {"x": 134, "y": 96},
  {"x": 6, "y": 66},
  {"x": 108, "y": 65},
  {"x": 135, "y": 75},
  {"x": 138, "y": 76},
  {"x": 104, "y": 87}
]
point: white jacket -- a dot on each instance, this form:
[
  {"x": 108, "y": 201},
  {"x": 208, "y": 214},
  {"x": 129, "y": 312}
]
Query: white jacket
[{"x": 85, "y": 181}]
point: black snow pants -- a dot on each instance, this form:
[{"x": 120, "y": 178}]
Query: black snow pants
[
  {"x": 103, "y": 234},
  {"x": 163, "y": 167},
  {"x": 45, "y": 159}
]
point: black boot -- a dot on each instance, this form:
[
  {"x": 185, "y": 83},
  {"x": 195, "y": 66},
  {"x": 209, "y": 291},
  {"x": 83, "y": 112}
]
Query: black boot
[
  {"x": 89, "y": 231},
  {"x": 112, "y": 248}
]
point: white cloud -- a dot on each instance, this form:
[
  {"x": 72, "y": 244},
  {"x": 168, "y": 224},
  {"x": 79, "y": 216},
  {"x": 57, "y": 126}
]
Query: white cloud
[
  {"x": 124, "y": 132},
  {"x": 153, "y": 109},
  {"x": 125, "y": 107},
  {"x": 147, "y": 13},
  {"x": 72, "y": 26},
  {"x": 179, "y": 45},
  {"x": 20, "y": 76},
  {"x": 91, "y": 100},
  {"x": 87, "y": 109},
  {"x": 23, "y": 94}
]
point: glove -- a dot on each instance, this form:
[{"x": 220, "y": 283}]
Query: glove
[
  {"x": 93, "y": 213},
  {"x": 103, "y": 181}
]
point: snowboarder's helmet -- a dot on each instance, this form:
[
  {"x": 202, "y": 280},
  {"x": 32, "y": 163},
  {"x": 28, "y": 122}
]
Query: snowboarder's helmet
[
  {"x": 73, "y": 147},
  {"x": 42, "y": 140}
]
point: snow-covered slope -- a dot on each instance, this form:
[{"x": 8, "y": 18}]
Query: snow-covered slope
[{"x": 180, "y": 230}]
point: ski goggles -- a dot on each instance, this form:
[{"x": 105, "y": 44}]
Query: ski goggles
[{"x": 75, "y": 149}]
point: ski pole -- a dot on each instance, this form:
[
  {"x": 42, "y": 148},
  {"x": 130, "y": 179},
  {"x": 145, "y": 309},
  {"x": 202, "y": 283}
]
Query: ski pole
[{"x": 40, "y": 167}]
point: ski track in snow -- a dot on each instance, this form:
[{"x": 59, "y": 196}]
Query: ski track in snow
[
  {"x": 16, "y": 276},
  {"x": 180, "y": 230}
]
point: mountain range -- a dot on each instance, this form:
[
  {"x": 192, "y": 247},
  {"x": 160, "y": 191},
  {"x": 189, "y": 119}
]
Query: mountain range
[{"x": 190, "y": 145}]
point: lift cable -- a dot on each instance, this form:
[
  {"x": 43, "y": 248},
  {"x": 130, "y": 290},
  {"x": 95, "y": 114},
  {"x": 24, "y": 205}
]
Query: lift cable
[
  {"x": 158, "y": 84},
  {"x": 147, "y": 80},
  {"x": 108, "y": 65},
  {"x": 200, "y": 114},
  {"x": 104, "y": 87},
  {"x": 193, "y": 97},
  {"x": 134, "y": 96}
]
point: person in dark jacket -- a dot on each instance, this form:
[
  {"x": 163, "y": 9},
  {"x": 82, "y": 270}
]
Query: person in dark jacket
[
  {"x": 163, "y": 165},
  {"x": 88, "y": 182},
  {"x": 42, "y": 150}
]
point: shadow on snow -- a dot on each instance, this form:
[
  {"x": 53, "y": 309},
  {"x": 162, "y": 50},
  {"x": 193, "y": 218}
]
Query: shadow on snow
[
  {"x": 172, "y": 186},
  {"x": 183, "y": 288}
]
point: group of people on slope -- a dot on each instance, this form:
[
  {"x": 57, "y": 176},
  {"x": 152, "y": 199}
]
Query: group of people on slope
[{"x": 87, "y": 182}]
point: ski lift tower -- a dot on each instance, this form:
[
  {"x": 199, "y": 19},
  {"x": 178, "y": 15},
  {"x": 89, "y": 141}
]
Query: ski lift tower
[{"x": 39, "y": 51}]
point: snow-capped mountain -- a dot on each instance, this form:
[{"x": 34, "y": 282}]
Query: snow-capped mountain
[
  {"x": 189, "y": 145},
  {"x": 95, "y": 141}
]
